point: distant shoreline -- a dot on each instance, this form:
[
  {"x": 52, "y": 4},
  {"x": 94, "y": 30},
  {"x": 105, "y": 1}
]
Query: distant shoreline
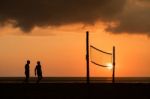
[{"x": 77, "y": 80}]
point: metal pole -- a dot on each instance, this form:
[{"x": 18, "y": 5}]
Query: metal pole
[
  {"x": 87, "y": 58},
  {"x": 114, "y": 63}
]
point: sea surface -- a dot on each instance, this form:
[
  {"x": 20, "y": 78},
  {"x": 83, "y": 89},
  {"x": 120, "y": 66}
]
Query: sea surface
[{"x": 76, "y": 80}]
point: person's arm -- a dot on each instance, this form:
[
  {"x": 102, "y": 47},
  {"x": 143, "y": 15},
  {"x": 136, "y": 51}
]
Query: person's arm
[{"x": 35, "y": 71}]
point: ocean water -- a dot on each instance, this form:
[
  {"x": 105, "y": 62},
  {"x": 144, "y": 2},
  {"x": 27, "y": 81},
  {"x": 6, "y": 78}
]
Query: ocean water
[{"x": 77, "y": 80}]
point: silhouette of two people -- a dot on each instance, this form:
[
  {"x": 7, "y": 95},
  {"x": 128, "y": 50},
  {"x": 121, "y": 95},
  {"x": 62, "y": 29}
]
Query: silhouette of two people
[{"x": 38, "y": 71}]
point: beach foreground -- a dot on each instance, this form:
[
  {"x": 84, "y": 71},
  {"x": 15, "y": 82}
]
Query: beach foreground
[{"x": 75, "y": 91}]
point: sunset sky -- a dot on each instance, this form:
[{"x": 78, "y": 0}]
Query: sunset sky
[{"x": 54, "y": 32}]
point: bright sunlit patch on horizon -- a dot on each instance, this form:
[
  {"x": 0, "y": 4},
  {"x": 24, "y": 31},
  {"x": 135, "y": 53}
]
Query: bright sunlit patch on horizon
[{"x": 110, "y": 66}]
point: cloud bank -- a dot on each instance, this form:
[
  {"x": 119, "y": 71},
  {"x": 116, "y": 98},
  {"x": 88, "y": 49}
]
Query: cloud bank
[
  {"x": 135, "y": 18},
  {"x": 129, "y": 16}
]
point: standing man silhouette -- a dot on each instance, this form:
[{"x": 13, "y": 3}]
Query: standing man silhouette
[
  {"x": 27, "y": 71},
  {"x": 38, "y": 71}
]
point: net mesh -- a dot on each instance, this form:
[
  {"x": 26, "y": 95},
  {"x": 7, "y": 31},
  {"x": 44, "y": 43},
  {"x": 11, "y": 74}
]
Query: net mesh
[{"x": 100, "y": 57}]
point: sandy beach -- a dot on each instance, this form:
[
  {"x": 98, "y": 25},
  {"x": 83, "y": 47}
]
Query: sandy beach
[{"x": 74, "y": 91}]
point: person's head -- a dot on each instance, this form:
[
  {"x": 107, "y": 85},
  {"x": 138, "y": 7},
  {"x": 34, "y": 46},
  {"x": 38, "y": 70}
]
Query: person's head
[
  {"x": 28, "y": 61},
  {"x": 38, "y": 62}
]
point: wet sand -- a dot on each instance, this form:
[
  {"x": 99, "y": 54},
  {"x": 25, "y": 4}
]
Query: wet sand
[{"x": 74, "y": 91}]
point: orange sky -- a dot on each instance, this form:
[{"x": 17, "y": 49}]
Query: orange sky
[{"x": 61, "y": 51}]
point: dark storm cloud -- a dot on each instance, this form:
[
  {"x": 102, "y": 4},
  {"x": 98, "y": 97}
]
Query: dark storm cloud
[
  {"x": 26, "y": 14},
  {"x": 134, "y": 19},
  {"x": 131, "y": 16}
]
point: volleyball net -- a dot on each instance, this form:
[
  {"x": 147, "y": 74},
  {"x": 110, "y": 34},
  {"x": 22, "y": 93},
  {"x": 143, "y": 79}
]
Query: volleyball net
[{"x": 100, "y": 58}]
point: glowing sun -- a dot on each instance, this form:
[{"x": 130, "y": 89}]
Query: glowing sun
[{"x": 110, "y": 66}]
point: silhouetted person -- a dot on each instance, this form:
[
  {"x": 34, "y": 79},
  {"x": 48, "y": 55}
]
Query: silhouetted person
[
  {"x": 38, "y": 71},
  {"x": 27, "y": 71}
]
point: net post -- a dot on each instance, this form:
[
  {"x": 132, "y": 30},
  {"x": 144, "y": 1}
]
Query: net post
[
  {"x": 113, "y": 74},
  {"x": 87, "y": 59}
]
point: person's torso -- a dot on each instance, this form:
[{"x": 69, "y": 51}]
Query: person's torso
[
  {"x": 27, "y": 67},
  {"x": 38, "y": 67}
]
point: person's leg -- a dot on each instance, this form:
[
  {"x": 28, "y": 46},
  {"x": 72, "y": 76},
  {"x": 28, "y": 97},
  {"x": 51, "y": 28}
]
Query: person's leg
[
  {"x": 37, "y": 79},
  {"x": 27, "y": 77}
]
